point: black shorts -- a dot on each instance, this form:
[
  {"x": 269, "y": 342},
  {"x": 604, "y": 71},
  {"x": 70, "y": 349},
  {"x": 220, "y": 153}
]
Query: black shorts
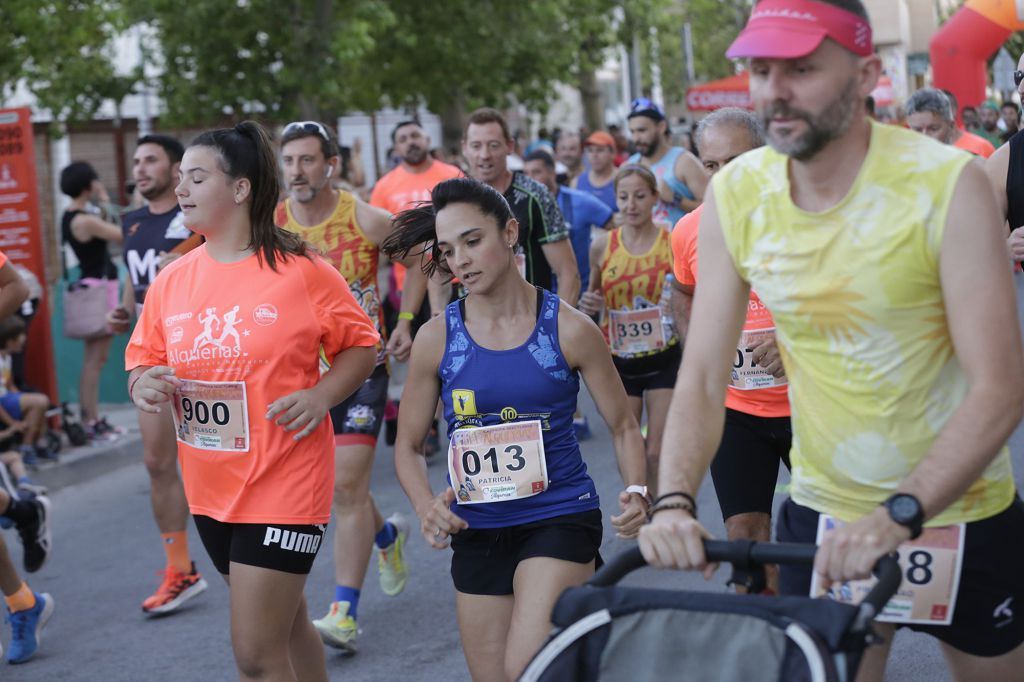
[
  {"x": 276, "y": 546},
  {"x": 988, "y": 619},
  {"x": 746, "y": 466},
  {"x": 650, "y": 372},
  {"x": 358, "y": 418},
  {"x": 484, "y": 561}
]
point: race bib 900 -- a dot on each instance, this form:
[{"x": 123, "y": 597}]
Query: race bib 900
[
  {"x": 212, "y": 415},
  {"x": 497, "y": 463}
]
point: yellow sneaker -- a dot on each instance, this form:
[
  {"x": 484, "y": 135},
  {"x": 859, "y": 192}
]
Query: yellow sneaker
[
  {"x": 338, "y": 629},
  {"x": 391, "y": 560}
]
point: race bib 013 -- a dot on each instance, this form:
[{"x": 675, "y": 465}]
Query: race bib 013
[
  {"x": 212, "y": 415},
  {"x": 931, "y": 577},
  {"x": 497, "y": 463},
  {"x": 746, "y": 376},
  {"x": 636, "y": 331}
]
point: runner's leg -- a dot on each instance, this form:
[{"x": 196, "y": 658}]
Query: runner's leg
[
  {"x": 967, "y": 668},
  {"x": 657, "y": 402},
  {"x": 305, "y": 648},
  {"x": 484, "y": 622},
  {"x": 538, "y": 583},
  {"x": 358, "y": 519},
  {"x": 265, "y": 605}
]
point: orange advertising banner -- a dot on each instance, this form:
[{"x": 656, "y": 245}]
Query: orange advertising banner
[{"x": 21, "y": 237}]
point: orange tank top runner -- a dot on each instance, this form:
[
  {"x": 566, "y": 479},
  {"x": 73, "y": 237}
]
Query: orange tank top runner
[
  {"x": 344, "y": 245},
  {"x": 638, "y": 322},
  {"x": 751, "y": 391}
]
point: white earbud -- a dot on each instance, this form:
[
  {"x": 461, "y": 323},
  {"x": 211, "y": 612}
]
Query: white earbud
[{"x": 329, "y": 172}]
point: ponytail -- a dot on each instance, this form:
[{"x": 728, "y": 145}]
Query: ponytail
[{"x": 246, "y": 151}]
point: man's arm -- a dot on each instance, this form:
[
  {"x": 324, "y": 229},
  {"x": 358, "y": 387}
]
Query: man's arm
[
  {"x": 562, "y": 260},
  {"x": 981, "y": 312},
  {"x": 689, "y": 172}
]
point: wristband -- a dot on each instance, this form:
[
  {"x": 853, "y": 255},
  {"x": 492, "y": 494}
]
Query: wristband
[
  {"x": 670, "y": 505},
  {"x": 640, "y": 490},
  {"x": 686, "y": 496},
  {"x": 131, "y": 387},
  {"x": 405, "y": 315}
]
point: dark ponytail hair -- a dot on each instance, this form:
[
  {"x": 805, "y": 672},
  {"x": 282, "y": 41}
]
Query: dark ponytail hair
[
  {"x": 246, "y": 151},
  {"x": 417, "y": 226}
]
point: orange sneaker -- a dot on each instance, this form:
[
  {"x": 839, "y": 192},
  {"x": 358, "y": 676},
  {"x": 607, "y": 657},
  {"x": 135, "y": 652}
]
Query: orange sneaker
[{"x": 176, "y": 589}]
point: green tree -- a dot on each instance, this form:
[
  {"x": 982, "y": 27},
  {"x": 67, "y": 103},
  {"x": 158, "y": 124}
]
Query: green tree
[{"x": 62, "y": 52}]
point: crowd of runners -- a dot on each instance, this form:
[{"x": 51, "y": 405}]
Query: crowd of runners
[{"x": 855, "y": 321}]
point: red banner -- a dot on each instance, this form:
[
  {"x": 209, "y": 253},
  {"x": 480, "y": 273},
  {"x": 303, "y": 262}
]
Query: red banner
[{"x": 21, "y": 236}]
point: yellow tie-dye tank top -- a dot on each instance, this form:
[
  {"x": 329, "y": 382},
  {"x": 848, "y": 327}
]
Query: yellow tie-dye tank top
[{"x": 860, "y": 319}]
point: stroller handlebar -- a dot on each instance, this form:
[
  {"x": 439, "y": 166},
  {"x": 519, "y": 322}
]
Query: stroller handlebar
[{"x": 747, "y": 553}]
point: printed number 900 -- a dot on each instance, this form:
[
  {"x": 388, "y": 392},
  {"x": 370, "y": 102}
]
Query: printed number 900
[
  {"x": 634, "y": 329},
  {"x": 201, "y": 412}
]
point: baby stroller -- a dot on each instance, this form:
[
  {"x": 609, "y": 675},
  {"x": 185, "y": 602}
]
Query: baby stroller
[{"x": 604, "y": 632}]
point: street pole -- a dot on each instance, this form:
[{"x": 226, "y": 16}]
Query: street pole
[{"x": 688, "y": 53}]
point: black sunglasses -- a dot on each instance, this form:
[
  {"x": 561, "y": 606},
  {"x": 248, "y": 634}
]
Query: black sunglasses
[{"x": 1018, "y": 76}]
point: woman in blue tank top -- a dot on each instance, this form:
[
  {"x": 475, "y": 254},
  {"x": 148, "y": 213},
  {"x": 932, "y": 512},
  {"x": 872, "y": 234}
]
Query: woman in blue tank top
[{"x": 521, "y": 513}]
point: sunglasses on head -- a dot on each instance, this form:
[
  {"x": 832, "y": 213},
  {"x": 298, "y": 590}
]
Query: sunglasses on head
[
  {"x": 309, "y": 127},
  {"x": 1018, "y": 76},
  {"x": 642, "y": 104}
]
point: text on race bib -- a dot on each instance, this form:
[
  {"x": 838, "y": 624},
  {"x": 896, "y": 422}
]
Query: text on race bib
[
  {"x": 497, "y": 463},
  {"x": 636, "y": 331},
  {"x": 212, "y": 415},
  {"x": 931, "y": 577},
  {"x": 746, "y": 376}
]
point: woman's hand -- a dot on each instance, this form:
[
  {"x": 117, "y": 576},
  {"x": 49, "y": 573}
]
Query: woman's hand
[
  {"x": 634, "y": 514},
  {"x": 156, "y": 385},
  {"x": 300, "y": 410},
  {"x": 438, "y": 522},
  {"x": 591, "y": 302},
  {"x": 119, "y": 320}
]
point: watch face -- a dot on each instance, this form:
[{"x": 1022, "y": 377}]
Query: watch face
[{"x": 904, "y": 509}]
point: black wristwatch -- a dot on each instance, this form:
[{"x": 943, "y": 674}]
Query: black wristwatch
[{"x": 906, "y": 510}]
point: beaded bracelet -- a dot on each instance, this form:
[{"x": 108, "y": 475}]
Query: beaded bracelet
[
  {"x": 670, "y": 505},
  {"x": 131, "y": 387},
  {"x": 686, "y": 496}
]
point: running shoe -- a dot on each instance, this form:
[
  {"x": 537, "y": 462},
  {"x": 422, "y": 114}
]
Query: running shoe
[
  {"x": 176, "y": 589},
  {"x": 391, "y": 560},
  {"x": 28, "y": 455},
  {"x": 7, "y": 483},
  {"x": 582, "y": 428},
  {"x": 35, "y": 535},
  {"x": 27, "y": 628},
  {"x": 338, "y": 629},
  {"x": 32, "y": 488},
  {"x": 103, "y": 426}
]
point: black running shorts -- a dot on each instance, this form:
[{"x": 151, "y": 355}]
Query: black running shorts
[
  {"x": 276, "y": 546},
  {"x": 746, "y": 466},
  {"x": 484, "y": 561},
  {"x": 988, "y": 619},
  {"x": 359, "y": 417},
  {"x": 650, "y": 372}
]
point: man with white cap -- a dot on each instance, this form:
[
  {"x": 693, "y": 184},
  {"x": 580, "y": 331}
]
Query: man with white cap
[{"x": 879, "y": 253}]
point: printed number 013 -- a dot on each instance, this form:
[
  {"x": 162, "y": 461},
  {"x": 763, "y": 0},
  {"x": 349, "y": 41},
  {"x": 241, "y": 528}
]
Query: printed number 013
[{"x": 471, "y": 463}]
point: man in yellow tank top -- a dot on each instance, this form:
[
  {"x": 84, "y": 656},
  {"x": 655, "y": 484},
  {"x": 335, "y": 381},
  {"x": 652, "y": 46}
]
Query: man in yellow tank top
[
  {"x": 348, "y": 233},
  {"x": 880, "y": 255}
]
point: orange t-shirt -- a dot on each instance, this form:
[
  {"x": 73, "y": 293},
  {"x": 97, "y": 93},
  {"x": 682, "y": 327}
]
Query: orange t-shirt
[
  {"x": 243, "y": 322},
  {"x": 975, "y": 144},
  {"x": 399, "y": 189},
  {"x": 761, "y": 402}
]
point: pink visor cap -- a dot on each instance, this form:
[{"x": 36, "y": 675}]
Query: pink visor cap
[{"x": 789, "y": 29}]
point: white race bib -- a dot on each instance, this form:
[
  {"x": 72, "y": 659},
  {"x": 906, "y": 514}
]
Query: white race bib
[
  {"x": 497, "y": 463},
  {"x": 931, "y": 577},
  {"x": 746, "y": 376},
  {"x": 636, "y": 331},
  {"x": 212, "y": 415}
]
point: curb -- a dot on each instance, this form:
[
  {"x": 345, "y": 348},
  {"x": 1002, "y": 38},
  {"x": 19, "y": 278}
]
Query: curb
[{"x": 88, "y": 463}]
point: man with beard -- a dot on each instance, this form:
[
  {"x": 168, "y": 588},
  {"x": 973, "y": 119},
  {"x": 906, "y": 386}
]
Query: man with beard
[
  {"x": 569, "y": 151},
  {"x": 543, "y": 236},
  {"x": 930, "y": 112},
  {"x": 681, "y": 179},
  {"x": 989, "y": 129},
  {"x": 880, "y": 257},
  {"x": 413, "y": 179},
  {"x": 348, "y": 233},
  {"x": 155, "y": 235}
]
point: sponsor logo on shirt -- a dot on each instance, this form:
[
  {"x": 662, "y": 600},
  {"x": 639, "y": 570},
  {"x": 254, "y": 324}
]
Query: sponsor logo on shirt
[
  {"x": 464, "y": 402},
  {"x": 265, "y": 314},
  {"x": 218, "y": 339}
]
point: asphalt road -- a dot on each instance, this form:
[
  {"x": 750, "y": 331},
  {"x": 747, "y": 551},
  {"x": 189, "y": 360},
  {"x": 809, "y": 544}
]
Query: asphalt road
[{"x": 107, "y": 552}]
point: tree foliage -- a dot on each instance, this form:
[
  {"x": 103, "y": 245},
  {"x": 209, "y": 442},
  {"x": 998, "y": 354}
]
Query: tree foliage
[{"x": 61, "y": 50}]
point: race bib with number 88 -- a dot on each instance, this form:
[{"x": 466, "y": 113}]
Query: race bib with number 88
[
  {"x": 497, "y": 463},
  {"x": 212, "y": 415}
]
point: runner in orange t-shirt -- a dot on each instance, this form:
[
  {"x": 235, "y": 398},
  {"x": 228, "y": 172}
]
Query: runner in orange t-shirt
[
  {"x": 230, "y": 335},
  {"x": 757, "y": 431}
]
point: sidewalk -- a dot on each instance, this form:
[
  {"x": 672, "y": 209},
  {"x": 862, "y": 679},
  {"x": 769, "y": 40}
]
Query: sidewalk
[{"x": 81, "y": 464}]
